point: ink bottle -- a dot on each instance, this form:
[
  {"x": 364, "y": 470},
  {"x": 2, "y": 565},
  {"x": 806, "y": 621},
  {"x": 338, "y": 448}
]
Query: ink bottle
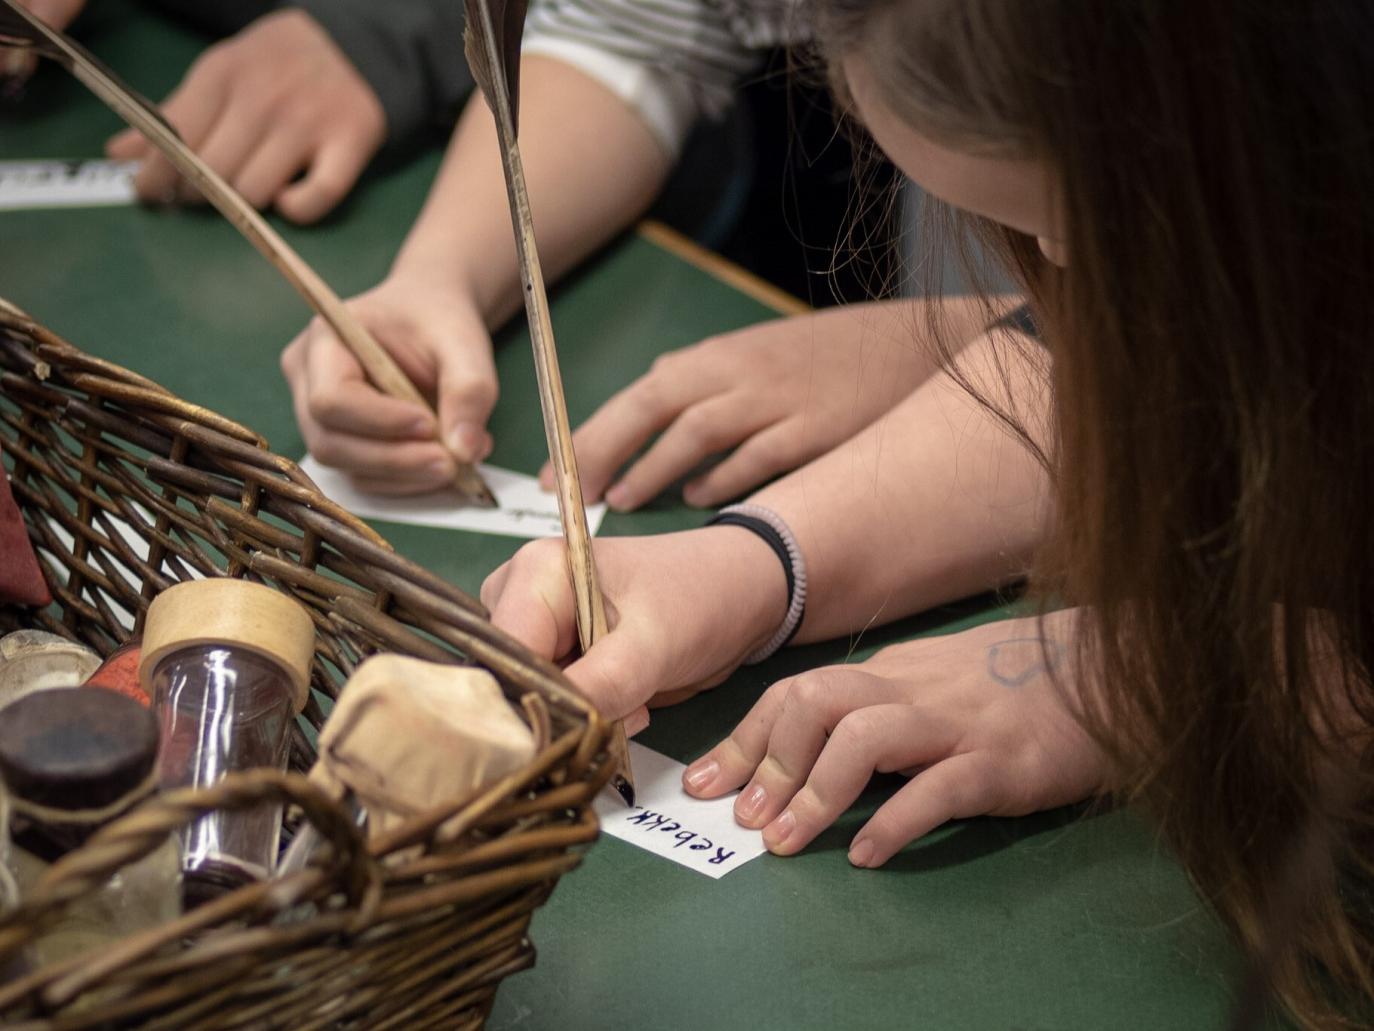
[
  {"x": 72, "y": 762},
  {"x": 34, "y": 660},
  {"x": 227, "y": 665}
]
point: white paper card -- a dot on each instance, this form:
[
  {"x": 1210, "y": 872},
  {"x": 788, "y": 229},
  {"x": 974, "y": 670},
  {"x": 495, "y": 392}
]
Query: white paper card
[
  {"x": 702, "y": 835},
  {"x": 524, "y": 509},
  {"x": 65, "y": 184}
]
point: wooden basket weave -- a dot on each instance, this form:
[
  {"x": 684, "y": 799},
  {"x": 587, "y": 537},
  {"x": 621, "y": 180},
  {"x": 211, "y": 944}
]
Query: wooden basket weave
[{"x": 125, "y": 490}]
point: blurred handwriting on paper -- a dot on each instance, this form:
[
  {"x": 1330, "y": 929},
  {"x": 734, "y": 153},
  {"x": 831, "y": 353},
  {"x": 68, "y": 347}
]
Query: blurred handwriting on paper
[
  {"x": 523, "y": 509},
  {"x": 701, "y": 835},
  {"x": 65, "y": 184}
]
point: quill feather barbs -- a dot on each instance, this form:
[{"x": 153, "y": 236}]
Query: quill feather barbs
[
  {"x": 20, "y": 29},
  {"x": 503, "y": 21}
]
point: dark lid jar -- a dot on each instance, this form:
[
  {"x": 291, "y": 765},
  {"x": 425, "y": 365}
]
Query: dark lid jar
[{"x": 73, "y": 760}]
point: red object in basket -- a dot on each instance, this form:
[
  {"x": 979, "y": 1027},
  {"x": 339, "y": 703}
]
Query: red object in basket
[
  {"x": 21, "y": 580},
  {"x": 120, "y": 673}
]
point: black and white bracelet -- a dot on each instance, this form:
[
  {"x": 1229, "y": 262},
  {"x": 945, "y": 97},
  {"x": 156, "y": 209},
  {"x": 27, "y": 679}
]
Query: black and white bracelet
[{"x": 773, "y": 530}]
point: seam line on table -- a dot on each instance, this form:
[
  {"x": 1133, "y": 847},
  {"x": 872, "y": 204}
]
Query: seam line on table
[{"x": 722, "y": 269}]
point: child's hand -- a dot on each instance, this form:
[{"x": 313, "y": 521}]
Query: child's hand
[
  {"x": 387, "y": 445},
  {"x": 684, "y": 609},
  {"x": 278, "y": 110},
  {"x": 778, "y": 394},
  {"x": 973, "y": 718}
]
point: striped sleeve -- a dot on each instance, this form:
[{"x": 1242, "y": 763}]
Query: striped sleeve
[{"x": 671, "y": 60}]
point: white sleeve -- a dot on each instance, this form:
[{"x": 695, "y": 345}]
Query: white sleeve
[{"x": 671, "y": 60}]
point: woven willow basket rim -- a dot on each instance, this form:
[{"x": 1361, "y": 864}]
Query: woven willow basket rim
[{"x": 415, "y": 928}]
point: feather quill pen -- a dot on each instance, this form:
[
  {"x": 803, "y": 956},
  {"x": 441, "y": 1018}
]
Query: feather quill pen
[
  {"x": 19, "y": 28},
  {"x": 491, "y": 41}
]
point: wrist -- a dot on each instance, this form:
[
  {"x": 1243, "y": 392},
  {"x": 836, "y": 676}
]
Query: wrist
[
  {"x": 755, "y": 581},
  {"x": 772, "y": 530},
  {"x": 432, "y": 288},
  {"x": 441, "y": 268}
]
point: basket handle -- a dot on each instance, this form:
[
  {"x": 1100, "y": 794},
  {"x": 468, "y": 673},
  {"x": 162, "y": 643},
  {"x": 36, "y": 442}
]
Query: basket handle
[{"x": 139, "y": 832}]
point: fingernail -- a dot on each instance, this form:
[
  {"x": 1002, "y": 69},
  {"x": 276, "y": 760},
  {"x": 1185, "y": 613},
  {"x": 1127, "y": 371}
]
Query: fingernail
[
  {"x": 619, "y": 496},
  {"x": 775, "y": 835},
  {"x": 751, "y": 803},
  {"x": 701, "y": 773},
  {"x": 466, "y": 440},
  {"x": 441, "y": 468},
  {"x": 422, "y": 428},
  {"x": 861, "y": 852},
  {"x": 636, "y": 722}
]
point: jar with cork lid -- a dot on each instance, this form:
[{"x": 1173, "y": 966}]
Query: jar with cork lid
[
  {"x": 72, "y": 762},
  {"x": 227, "y": 665}
]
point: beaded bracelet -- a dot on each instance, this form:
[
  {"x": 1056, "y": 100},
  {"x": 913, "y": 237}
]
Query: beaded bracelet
[{"x": 774, "y": 531}]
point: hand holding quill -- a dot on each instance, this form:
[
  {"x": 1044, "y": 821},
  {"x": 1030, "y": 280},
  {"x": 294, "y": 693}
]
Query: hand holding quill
[{"x": 21, "y": 30}]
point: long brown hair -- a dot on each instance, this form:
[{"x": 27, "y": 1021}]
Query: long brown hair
[{"x": 1213, "y": 379}]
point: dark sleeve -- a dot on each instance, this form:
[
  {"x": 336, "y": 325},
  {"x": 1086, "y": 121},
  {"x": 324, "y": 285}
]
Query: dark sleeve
[
  {"x": 409, "y": 51},
  {"x": 217, "y": 17}
]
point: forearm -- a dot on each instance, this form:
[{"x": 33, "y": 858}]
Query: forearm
[
  {"x": 934, "y": 501},
  {"x": 591, "y": 166}
]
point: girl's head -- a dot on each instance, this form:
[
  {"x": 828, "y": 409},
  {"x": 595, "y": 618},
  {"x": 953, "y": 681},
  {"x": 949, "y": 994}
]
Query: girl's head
[{"x": 1187, "y": 192}]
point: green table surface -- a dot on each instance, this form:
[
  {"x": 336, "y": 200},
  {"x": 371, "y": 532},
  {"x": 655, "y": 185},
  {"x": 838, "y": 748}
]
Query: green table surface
[{"x": 1062, "y": 920}]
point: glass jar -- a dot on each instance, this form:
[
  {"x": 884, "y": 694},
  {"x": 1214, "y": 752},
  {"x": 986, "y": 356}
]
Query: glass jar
[
  {"x": 34, "y": 660},
  {"x": 74, "y": 761},
  {"x": 227, "y": 665}
]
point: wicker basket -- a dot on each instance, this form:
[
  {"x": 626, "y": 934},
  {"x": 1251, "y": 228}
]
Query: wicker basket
[{"x": 126, "y": 489}]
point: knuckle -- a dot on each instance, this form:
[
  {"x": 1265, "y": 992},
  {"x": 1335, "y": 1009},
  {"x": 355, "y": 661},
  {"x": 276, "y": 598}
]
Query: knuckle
[
  {"x": 326, "y": 450},
  {"x": 537, "y": 556},
  {"x": 971, "y": 790},
  {"x": 332, "y": 183},
  {"x": 615, "y": 672},
  {"x": 706, "y": 348},
  {"x": 827, "y": 681},
  {"x": 488, "y": 593},
  {"x": 770, "y": 452},
  {"x": 698, "y": 426},
  {"x": 478, "y": 389},
  {"x": 776, "y": 695},
  {"x": 214, "y": 63},
  {"x": 297, "y": 116},
  {"x": 810, "y": 692},
  {"x": 323, "y": 407},
  {"x": 664, "y": 365},
  {"x": 855, "y": 730},
  {"x": 645, "y": 396}
]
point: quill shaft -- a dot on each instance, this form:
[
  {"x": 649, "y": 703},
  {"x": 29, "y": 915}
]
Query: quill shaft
[{"x": 591, "y": 606}]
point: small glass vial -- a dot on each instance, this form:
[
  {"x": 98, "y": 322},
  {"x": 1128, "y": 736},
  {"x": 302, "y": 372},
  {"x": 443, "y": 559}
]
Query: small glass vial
[
  {"x": 227, "y": 665},
  {"x": 72, "y": 762}
]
